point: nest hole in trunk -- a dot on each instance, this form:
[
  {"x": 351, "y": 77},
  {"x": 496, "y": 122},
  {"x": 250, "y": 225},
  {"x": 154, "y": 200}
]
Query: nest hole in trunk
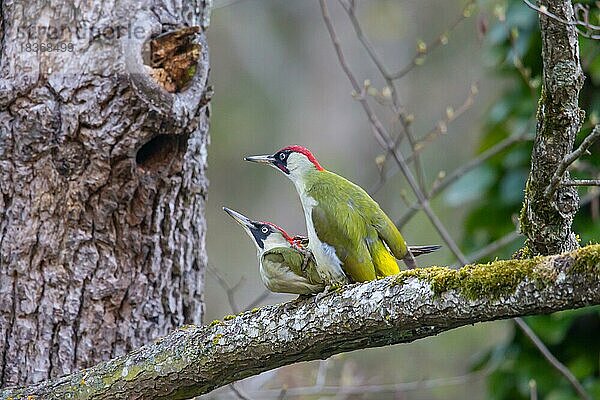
[
  {"x": 162, "y": 153},
  {"x": 173, "y": 58}
]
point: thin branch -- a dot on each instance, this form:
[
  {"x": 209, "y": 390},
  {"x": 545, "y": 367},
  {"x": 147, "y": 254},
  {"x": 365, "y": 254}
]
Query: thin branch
[
  {"x": 462, "y": 170},
  {"x": 533, "y": 390},
  {"x": 569, "y": 159},
  {"x": 494, "y": 246},
  {"x": 265, "y": 294},
  {"x": 238, "y": 393},
  {"x": 581, "y": 182},
  {"x": 402, "y": 117},
  {"x": 389, "y": 79},
  {"x": 477, "y": 161},
  {"x": 440, "y": 40},
  {"x": 442, "y": 126},
  {"x": 229, "y": 290},
  {"x": 578, "y": 8},
  {"x": 194, "y": 360},
  {"x": 418, "y": 146},
  {"x": 557, "y": 365},
  {"x": 425, "y": 384},
  {"x": 355, "y": 85},
  {"x": 351, "y": 11},
  {"x": 384, "y": 140}
]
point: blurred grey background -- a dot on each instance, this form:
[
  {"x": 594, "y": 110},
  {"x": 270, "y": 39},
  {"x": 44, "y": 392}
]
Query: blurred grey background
[{"x": 277, "y": 81}]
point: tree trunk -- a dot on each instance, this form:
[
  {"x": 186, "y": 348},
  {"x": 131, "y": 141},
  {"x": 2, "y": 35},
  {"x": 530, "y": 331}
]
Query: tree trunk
[
  {"x": 546, "y": 219},
  {"x": 102, "y": 183}
]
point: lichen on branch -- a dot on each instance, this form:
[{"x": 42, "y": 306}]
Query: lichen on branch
[{"x": 194, "y": 360}]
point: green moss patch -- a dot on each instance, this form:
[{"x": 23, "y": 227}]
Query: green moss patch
[
  {"x": 587, "y": 259},
  {"x": 490, "y": 280},
  {"x": 501, "y": 278}
]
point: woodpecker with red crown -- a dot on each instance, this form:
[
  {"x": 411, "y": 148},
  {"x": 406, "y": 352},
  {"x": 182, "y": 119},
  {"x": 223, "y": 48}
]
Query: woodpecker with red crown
[
  {"x": 351, "y": 238},
  {"x": 285, "y": 265}
]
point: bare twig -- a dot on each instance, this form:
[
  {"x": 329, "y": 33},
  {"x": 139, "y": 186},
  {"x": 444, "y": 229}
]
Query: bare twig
[
  {"x": 384, "y": 388},
  {"x": 229, "y": 290},
  {"x": 533, "y": 390},
  {"x": 564, "y": 371},
  {"x": 397, "y": 108},
  {"x": 375, "y": 123},
  {"x": 384, "y": 140},
  {"x": 581, "y": 182},
  {"x": 462, "y": 170},
  {"x": 569, "y": 159},
  {"x": 440, "y": 40},
  {"x": 390, "y": 78},
  {"x": 418, "y": 146},
  {"x": 258, "y": 299},
  {"x": 579, "y": 9},
  {"x": 494, "y": 246},
  {"x": 238, "y": 393},
  {"x": 442, "y": 126}
]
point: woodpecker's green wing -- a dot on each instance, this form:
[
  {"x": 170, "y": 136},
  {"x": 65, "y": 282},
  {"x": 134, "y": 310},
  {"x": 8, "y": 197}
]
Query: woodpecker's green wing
[
  {"x": 338, "y": 223},
  {"x": 295, "y": 261},
  {"x": 388, "y": 232},
  {"x": 346, "y": 240},
  {"x": 348, "y": 219}
]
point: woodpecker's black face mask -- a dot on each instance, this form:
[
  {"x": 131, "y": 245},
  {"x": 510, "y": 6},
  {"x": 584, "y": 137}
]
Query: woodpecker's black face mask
[
  {"x": 261, "y": 232},
  {"x": 280, "y": 160}
]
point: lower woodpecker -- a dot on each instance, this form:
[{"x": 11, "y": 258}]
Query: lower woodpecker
[{"x": 285, "y": 264}]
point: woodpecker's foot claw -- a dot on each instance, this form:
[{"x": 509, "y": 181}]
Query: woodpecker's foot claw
[{"x": 307, "y": 256}]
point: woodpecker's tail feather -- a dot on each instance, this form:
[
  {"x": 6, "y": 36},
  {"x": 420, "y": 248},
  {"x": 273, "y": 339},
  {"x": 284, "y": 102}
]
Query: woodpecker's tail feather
[{"x": 420, "y": 250}]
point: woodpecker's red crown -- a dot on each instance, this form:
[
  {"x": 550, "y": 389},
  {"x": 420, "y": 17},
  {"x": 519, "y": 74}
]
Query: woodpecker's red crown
[
  {"x": 302, "y": 150},
  {"x": 284, "y": 233}
]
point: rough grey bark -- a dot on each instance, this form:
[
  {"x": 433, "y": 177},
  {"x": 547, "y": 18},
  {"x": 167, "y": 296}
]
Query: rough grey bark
[
  {"x": 102, "y": 184},
  {"x": 546, "y": 220},
  {"x": 414, "y": 304}
]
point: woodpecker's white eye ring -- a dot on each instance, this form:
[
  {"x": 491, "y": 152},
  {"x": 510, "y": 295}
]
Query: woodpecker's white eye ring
[
  {"x": 264, "y": 229},
  {"x": 282, "y": 156}
]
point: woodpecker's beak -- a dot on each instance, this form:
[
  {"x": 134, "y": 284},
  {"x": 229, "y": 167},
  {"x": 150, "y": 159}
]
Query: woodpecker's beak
[
  {"x": 244, "y": 221},
  {"x": 270, "y": 160},
  {"x": 267, "y": 159}
]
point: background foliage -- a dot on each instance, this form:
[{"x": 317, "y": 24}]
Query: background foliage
[{"x": 515, "y": 46}]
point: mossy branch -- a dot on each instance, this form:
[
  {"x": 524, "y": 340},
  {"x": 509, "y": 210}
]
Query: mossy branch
[{"x": 414, "y": 304}]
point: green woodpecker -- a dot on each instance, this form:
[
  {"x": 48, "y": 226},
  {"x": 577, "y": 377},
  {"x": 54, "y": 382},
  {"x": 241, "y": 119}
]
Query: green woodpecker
[
  {"x": 348, "y": 233},
  {"x": 286, "y": 266}
]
